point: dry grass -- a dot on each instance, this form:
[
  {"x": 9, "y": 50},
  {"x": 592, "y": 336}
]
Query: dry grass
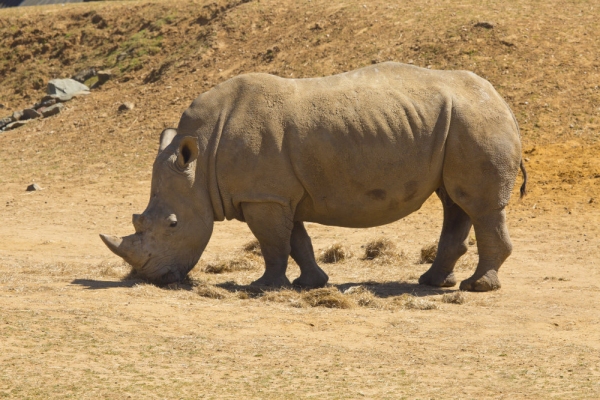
[
  {"x": 364, "y": 297},
  {"x": 335, "y": 253},
  {"x": 119, "y": 270},
  {"x": 252, "y": 247},
  {"x": 212, "y": 292},
  {"x": 382, "y": 249},
  {"x": 410, "y": 302},
  {"x": 328, "y": 297},
  {"x": 467, "y": 262},
  {"x": 428, "y": 253},
  {"x": 246, "y": 262},
  {"x": 285, "y": 296},
  {"x": 457, "y": 297}
]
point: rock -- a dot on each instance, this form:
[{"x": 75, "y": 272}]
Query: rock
[
  {"x": 485, "y": 25},
  {"x": 52, "y": 110},
  {"x": 16, "y": 124},
  {"x": 30, "y": 113},
  {"x": 127, "y": 106},
  {"x": 44, "y": 104},
  {"x": 66, "y": 87},
  {"x": 33, "y": 187},
  {"x": 5, "y": 121},
  {"x": 103, "y": 77},
  {"x": 17, "y": 115},
  {"x": 84, "y": 74}
]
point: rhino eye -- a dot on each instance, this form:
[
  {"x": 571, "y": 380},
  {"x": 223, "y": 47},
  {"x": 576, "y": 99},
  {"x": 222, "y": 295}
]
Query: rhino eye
[
  {"x": 172, "y": 220},
  {"x": 173, "y": 224}
]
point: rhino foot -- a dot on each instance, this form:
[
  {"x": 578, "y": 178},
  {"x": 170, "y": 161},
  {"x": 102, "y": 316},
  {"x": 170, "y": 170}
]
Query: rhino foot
[
  {"x": 489, "y": 281},
  {"x": 437, "y": 279},
  {"x": 317, "y": 279},
  {"x": 278, "y": 282}
]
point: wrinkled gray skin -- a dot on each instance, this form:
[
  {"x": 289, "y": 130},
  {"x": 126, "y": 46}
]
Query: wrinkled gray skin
[{"x": 359, "y": 149}]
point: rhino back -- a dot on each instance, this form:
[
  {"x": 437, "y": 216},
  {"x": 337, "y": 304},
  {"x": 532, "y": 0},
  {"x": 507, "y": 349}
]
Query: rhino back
[{"x": 358, "y": 149}]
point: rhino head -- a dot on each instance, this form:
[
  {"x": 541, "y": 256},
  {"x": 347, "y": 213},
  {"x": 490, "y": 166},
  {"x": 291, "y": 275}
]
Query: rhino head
[{"x": 173, "y": 231}]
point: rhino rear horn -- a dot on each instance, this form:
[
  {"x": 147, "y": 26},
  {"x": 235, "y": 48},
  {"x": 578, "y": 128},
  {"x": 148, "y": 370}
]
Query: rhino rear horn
[{"x": 166, "y": 137}]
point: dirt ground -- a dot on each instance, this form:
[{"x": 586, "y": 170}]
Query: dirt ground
[{"x": 73, "y": 324}]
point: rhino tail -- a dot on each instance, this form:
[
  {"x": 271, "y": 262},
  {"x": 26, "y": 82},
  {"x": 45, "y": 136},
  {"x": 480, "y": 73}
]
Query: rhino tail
[{"x": 524, "y": 185}]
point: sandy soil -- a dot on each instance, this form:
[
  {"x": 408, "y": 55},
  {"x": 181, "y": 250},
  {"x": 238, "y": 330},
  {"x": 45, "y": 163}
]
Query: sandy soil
[{"x": 72, "y": 324}]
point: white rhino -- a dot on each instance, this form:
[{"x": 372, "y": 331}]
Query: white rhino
[{"x": 358, "y": 149}]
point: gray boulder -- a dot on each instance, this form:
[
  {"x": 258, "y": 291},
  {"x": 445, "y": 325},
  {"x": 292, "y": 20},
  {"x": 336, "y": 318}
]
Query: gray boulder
[
  {"x": 69, "y": 87},
  {"x": 16, "y": 124},
  {"x": 33, "y": 187}
]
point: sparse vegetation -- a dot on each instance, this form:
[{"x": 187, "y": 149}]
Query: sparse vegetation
[
  {"x": 428, "y": 253},
  {"x": 334, "y": 253}
]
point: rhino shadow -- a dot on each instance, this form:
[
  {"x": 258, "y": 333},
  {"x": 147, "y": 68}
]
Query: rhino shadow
[{"x": 96, "y": 284}]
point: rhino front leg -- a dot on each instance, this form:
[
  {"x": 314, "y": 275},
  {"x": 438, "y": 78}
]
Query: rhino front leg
[
  {"x": 311, "y": 275},
  {"x": 452, "y": 245},
  {"x": 272, "y": 225}
]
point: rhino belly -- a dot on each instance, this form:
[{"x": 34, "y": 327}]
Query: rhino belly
[{"x": 355, "y": 204}]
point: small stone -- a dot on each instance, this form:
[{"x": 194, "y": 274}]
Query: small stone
[
  {"x": 52, "y": 110},
  {"x": 17, "y": 115},
  {"x": 33, "y": 187},
  {"x": 46, "y": 103},
  {"x": 485, "y": 25},
  {"x": 2, "y": 106},
  {"x": 127, "y": 106},
  {"x": 103, "y": 77},
  {"x": 84, "y": 74},
  {"x": 30, "y": 113},
  {"x": 5, "y": 121},
  {"x": 16, "y": 124}
]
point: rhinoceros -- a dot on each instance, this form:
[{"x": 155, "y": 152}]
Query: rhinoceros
[{"x": 359, "y": 149}]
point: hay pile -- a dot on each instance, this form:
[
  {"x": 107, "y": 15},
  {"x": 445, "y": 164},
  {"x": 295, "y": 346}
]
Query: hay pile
[
  {"x": 381, "y": 248},
  {"x": 428, "y": 253},
  {"x": 457, "y": 297},
  {"x": 252, "y": 247},
  {"x": 334, "y": 254}
]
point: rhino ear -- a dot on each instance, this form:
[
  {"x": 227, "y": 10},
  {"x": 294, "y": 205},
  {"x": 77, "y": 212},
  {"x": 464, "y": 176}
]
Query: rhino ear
[
  {"x": 188, "y": 151},
  {"x": 166, "y": 137}
]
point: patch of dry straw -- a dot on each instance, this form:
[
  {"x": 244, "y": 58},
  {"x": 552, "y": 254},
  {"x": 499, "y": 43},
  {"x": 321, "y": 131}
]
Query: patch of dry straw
[
  {"x": 383, "y": 250},
  {"x": 428, "y": 253},
  {"x": 364, "y": 297},
  {"x": 335, "y": 253},
  {"x": 457, "y": 297},
  {"x": 329, "y": 297},
  {"x": 246, "y": 262},
  {"x": 410, "y": 302},
  {"x": 212, "y": 292},
  {"x": 253, "y": 247}
]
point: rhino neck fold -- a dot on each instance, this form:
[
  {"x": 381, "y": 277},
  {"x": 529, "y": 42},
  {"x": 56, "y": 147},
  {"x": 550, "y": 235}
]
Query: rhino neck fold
[{"x": 211, "y": 176}]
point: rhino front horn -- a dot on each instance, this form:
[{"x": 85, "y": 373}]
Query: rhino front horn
[{"x": 113, "y": 243}]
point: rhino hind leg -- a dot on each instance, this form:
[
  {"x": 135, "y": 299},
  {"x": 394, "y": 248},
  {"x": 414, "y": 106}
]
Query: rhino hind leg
[
  {"x": 452, "y": 244},
  {"x": 272, "y": 225},
  {"x": 494, "y": 247},
  {"x": 311, "y": 275}
]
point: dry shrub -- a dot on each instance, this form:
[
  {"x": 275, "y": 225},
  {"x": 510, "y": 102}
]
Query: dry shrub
[
  {"x": 380, "y": 248},
  {"x": 363, "y": 297},
  {"x": 410, "y": 302},
  {"x": 286, "y": 296},
  {"x": 428, "y": 253},
  {"x": 247, "y": 262},
  {"x": 328, "y": 297},
  {"x": 335, "y": 253},
  {"x": 211, "y": 291},
  {"x": 457, "y": 297},
  {"x": 253, "y": 247}
]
